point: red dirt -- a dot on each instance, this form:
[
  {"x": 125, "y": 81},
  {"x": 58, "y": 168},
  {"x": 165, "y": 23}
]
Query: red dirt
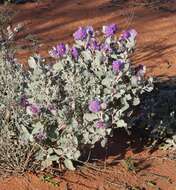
[
  {"x": 54, "y": 21},
  {"x": 153, "y": 172}
]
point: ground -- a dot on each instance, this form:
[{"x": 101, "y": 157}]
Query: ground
[{"x": 53, "y": 21}]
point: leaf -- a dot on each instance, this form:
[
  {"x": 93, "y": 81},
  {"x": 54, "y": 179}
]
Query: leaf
[
  {"x": 74, "y": 123},
  {"x": 58, "y": 151},
  {"x": 106, "y": 81},
  {"x": 54, "y": 158},
  {"x": 148, "y": 88},
  {"x": 40, "y": 155},
  {"x": 76, "y": 155},
  {"x": 114, "y": 56},
  {"x": 69, "y": 165},
  {"x": 104, "y": 142},
  {"x": 26, "y": 135},
  {"x": 87, "y": 55},
  {"x": 50, "y": 150},
  {"x": 32, "y": 62},
  {"x": 121, "y": 123},
  {"x": 128, "y": 97},
  {"x": 136, "y": 101},
  {"x": 46, "y": 163},
  {"x": 37, "y": 127},
  {"x": 58, "y": 66},
  {"x": 98, "y": 58},
  {"x": 90, "y": 116},
  {"x": 134, "y": 81}
]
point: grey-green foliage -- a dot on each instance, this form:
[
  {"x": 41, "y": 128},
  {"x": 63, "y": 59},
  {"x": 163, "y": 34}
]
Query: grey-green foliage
[
  {"x": 63, "y": 91},
  {"x": 16, "y": 156},
  {"x": 49, "y": 105},
  {"x": 11, "y": 84}
]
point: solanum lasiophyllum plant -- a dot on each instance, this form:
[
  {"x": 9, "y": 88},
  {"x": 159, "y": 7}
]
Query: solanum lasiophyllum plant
[{"x": 91, "y": 89}]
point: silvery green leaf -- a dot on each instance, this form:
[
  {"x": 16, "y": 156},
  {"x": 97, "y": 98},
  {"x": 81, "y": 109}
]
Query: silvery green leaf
[
  {"x": 126, "y": 66},
  {"x": 107, "y": 91},
  {"x": 91, "y": 130},
  {"x": 95, "y": 139},
  {"x": 125, "y": 107},
  {"x": 98, "y": 58},
  {"x": 50, "y": 150},
  {"x": 37, "y": 127},
  {"x": 32, "y": 62},
  {"x": 121, "y": 123},
  {"x": 26, "y": 134},
  {"x": 106, "y": 81},
  {"x": 136, "y": 101},
  {"x": 85, "y": 137},
  {"x": 148, "y": 88},
  {"x": 101, "y": 131},
  {"x": 69, "y": 165},
  {"x": 74, "y": 123},
  {"x": 131, "y": 44},
  {"x": 76, "y": 155},
  {"x": 104, "y": 142},
  {"x": 53, "y": 158},
  {"x": 106, "y": 117},
  {"x": 90, "y": 116},
  {"x": 108, "y": 131},
  {"x": 40, "y": 155},
  {"x": 79, "y": 43},
  {"x": 122, "y": 92},
  {"x": 117, "y": 96},
  {"x": 114, "y": 56},
  {"x": 58, "y": 151},
  {"x": 108, "y": 40},
  {"x": 46, "y": 163},
  {"x": 128, "y": 97},
  {"x": 134, "y": 81},
  {"x": 58, "y": 66},
  {"x": 87, "y": 55}
]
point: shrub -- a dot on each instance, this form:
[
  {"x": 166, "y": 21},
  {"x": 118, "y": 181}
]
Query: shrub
[
  {"x": 15, "y": 156},
  {"x": 67, "y": 107},
  {"x": 157, "y": 114}
]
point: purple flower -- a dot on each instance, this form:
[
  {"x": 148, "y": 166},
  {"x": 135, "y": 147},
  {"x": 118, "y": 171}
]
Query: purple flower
[
  {"x": 41, "y": 135},
  {"x": 58, "y": 51},
  {"x": 106, "y": 47},
  {"x": 95, "y": 45},
  {"x": 117, "y": 66},
  {"x": 94, "y": 106},
  {"x": 125, "y": 35},
  {"x": 110, "y": 30},
  {"x": 33, "y": 110},
  {"x": 24, "y": 101},
  {"x": 131, "y": 33},
  {"x": 74, "y": 52},
  {"x": 80, "y": 34},
  {"x": 52, "y": 109},
  {"x": 103, "y": 106},
  {"x": 90, "y": 30},
  {"x": 100, "y": 124},
  {"x": 140, "y": 70}
]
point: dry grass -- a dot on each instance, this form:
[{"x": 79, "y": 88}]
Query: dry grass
[{"x": 15, "y": 158}]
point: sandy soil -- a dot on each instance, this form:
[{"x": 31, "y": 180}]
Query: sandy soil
[
  {"x": 53, "y": 21},
  {"x": 112, "y": 170}
]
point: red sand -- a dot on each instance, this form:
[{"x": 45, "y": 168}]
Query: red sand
[{"x": 54, "y": 21}]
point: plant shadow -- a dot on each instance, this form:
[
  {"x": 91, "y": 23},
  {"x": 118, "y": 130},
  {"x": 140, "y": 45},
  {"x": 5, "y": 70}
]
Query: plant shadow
[{"x": 147, "y": 133}]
